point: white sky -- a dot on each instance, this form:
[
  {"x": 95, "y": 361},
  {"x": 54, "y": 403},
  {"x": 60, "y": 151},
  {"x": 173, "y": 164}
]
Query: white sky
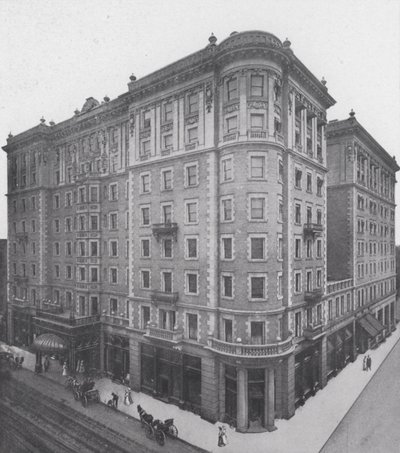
[{"x": 55, "y": 54}]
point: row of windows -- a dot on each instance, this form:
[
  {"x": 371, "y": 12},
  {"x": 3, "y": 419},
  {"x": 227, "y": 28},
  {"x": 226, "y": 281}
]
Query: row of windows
[
  {"x": 374, "y": 268},
  {"x": 298, "y": 182},
  {"x": 309, "y": 283},
  {"x": 374, "y": 248}
]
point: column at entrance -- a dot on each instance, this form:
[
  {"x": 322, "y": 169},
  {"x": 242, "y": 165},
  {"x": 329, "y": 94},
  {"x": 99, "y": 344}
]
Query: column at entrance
[
  {"x": 269, "y": 399},
  {"x": 242, "y": 400},
  {"x": 10, "y": 326}
]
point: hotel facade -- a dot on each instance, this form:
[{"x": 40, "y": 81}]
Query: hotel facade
[{"x": 176, "y": 236}]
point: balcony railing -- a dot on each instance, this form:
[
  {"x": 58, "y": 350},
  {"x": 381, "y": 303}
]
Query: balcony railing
[
  {"x": 314, "y": 296},
  {"x": 339, "y": 285},
  {"x": 313, "y": 229},
  {"x": 255, "y": 134},
  {"x": 67, "y": 318},
  {"x": 250, "y": 350},
  {"x": 115, "y": 320},
  {"x": 314, "y": 330},
  {"x": 21, "y": 302},
  {"x": 231, "y": 136},
  {"x": 174, "y": 336},
  {"x": 162, "y": 229},
  {"x": 162, "y": 296},
  {"x": 21, "y": 278}
]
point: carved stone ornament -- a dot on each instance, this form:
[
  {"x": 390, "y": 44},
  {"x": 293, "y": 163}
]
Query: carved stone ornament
[
  {"x": 231, "y": 108},
  {"x": 350, "y": 156},
  {"x": 145, "y": 134},
  {"x": 277, "y": 109},
  {"x": 256, "y": 105},
  {"x": 290, "y": 102},
  {"x": 166, "y": 127},
  {"x": 192, "y": 119},
  {"x": 209, "y": 97}
]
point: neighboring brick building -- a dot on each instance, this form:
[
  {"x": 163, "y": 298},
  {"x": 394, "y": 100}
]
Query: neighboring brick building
[
  {"x": 361, "y": 234},
  {"x": 178, "y": 233},
  {"x": 3, "y": 288}
]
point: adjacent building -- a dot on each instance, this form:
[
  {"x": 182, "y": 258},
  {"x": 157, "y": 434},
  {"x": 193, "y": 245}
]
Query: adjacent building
[
  {"x": 3, "y": 289},
  {"x": 176, "y": 236}
]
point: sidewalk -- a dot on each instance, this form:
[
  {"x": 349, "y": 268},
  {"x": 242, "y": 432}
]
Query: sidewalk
[{"x": 305, "y": 432}]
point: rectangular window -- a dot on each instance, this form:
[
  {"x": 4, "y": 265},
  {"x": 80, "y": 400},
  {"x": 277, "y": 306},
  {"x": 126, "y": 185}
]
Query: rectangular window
[
  {"x": 257, "y": 167},
  {"x": 297, "y": 282},
  {"x": 94, "y": 274},
  {"x": 309, "y": 280},
  {"x": 192, "y": 135},
  {"x": 113, "y": 248},
  {"x": 145, "y": 317},
  {"x": 145, "y": 182},
  {"x": 256, "y": 85},
  {"x": 33, "y": 226},
  {"x": 145, "y": 248},
  {"x": 166, "y": 213},
  {"x": 192, "y": 326},
  {"x": 228, "y": 330},
  {"x": 191, "y": 283},
  {"x": 297, "y": 248},
  {"x": 257, "y": 287},
  {"x": 227, "y": 212},
  {"x": 113, "y": 275},
  {"x": 168, "y": 114},
  {"x": 227, "y": 248},
  {"x": 82, "y": 274},
  {"x": 280, "y": 283},
  {"x": 68, "y": 248},
  {"x": 145, "y": 216},
  {"x": 94, "y": 194},
  {"x": 113, "y": 306},
  {"x": 145, "y": 279},
  {"x": 94, "y": 222},
  {"x": 33, "y": 270},
  {"x": 166, "y": 179},
  {"x": 319, "y": 278},
  {"x": 280, "y": 247},
  {"x": 113, "y": 221},
  {"x": 193, "y": 103},
  {"x": 227, "y": 286},
  {"x": 232, "y": 89},
  {"x": 146, "y": 147},
  {"x": 231, "y": 124},
  {"x": 309, "y": 248},
  {"x": 167, "y": 248},
  {"x": 226, "y": 169},
  {"x": 257, "y": 332},
  {"x": 319, "y": 248},
  {"x": 297, "y": 216},
  {"x": 257, "y": 248},
  {"x": 191, "y": 248},
  {"x": 256, "y": 121},
  {"x": 298, "y": 174},
  {"x": 167, "y": 141},
  {"x": 94, "y": 248},
  {"x": 167, "y": 281},
  {"x": 257, "y": 208},
  {"x": 191, "y": 175},
  {"x": 191, "y": 211},
  {"x": 309, "y": 182},
  {"x": 297, "y": 324},
  {"x": 56, "y": 226},
  {"x": 113, "y": 192}
]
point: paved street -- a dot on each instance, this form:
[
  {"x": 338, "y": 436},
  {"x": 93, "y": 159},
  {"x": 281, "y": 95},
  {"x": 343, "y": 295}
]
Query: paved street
[{"x": 372, "y": 424}]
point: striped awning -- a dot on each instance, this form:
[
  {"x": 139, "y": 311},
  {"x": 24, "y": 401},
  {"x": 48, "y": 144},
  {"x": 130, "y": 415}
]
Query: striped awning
[
  {"x": 371, "y": 325},
  {"x": 48, "y": 342}
]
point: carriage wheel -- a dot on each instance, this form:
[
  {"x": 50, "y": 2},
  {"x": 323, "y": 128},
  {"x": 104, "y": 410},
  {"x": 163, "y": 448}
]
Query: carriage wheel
[
  {"x": 148, "y": 430},
  {"x": 160, "y": 437},
  {"x": 173, "y": 431}
]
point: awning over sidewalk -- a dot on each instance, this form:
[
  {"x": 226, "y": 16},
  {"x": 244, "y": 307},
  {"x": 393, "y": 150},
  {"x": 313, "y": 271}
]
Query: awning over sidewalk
[
  {"x": 49, "y": 342},
  {"x": 371, "y": 325}
]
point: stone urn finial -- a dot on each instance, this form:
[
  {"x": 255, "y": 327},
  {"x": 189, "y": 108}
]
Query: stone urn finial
[
  {"x": 42, "y": 120},
  {"x": 323, "y": 81},
  {"x": 286, "y": 43},
  {"x": 212, "y": 40},
  {"x": 132, "y": 77},
  {"x": 352, "y": 113}
]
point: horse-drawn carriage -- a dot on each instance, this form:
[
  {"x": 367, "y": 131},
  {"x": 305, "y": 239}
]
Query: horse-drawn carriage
[
  {"x": 156, "y": 429},
  {"x": 83, "y": 391}
]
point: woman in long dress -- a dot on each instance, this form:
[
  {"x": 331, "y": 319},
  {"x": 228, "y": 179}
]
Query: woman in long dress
[
  {"x": 65, "y": 373},
  {"x": 128, "y": 397}
]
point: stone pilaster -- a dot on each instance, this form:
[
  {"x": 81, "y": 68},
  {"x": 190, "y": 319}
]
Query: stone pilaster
[
  {"x": 288, "y": 391},
  {"x": 322, "y": 378},
  {"x": 209, "y": 388}
]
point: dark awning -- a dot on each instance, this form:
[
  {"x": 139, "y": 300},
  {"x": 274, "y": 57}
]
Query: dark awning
[
  {"x": 48, "y": 342},
  {"x": 371, "y": 325}
]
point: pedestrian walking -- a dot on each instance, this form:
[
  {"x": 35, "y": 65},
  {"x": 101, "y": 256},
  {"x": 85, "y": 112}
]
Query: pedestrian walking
[
  {"x": 115, "y": 399},
  {"x": 65, "y": 372},
  {"x": 222, "y": 438},
  {"x": 369, "y": 363},
  {"x": 365, "y": 363},
  {"x": 128, "y": 397},
  {"x": 46, "y": 364}
]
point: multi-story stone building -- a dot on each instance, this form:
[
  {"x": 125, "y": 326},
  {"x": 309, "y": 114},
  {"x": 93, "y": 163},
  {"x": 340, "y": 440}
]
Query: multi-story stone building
[
  {"x": 361, "y": 229},
  {"x": 3, "y": 288},
  {"x": 177, "y": 234}
]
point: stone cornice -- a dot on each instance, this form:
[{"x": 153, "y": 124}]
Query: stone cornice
[{"x": 353, "y": 129}]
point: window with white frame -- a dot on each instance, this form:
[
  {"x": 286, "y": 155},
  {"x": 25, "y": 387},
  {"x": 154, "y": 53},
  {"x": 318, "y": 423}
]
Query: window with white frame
[
  {"x": 319, "y": 248},
  {"x": 82, "y": 248},
  {"x": 297, "y": 282},
  {"x": 145, "y": 215},
  {"x": 257, "y": 207},
  {"x": 297, "y": 213},
  {"x": 226, "y": 169},
  {"x": 68, "y": 224},
  {"x": 166, "y": 248},
  {"x": 258, "y": 247},
  {"x": 280, "y": 170},
  {"x": 94, "y": 194},
  {"x": 226, "y": 247},
  {"x": 191, "y": 174},
  {"x": 191, "y": 211},
  {"x": 227, "y": 285},
  {"x": 257, "y": 167},
  {"x": 193, "y": 103},
  {"x": 309, "y": 280},
  {"x": 145, "y": 183},
  {"x": 319, "y": 278},
  {"x": 113, "y": 221},
  {"x": 145, "y": 278},
  {"x": 280, "y": 285},
  {"x": 192, "y": 326},
  {"x": 82, "y": 273},
  {"x": 166, "y": 179},
  {"x": 166, "y": 279},
  {"x": 193, "y": 134},
  {"x": 166, "y": 213},
  {"x": 56, "y": 226},
  {"x": 258, "y": 286},
  {"x": 68, "y": 248},
  {"x": 113, "y": 275},
  {"x": 297, "y": 174},
  {"x": 191, "y": 280},
  {"x": 279, "y": 247},
  {"x": 309, "y": 244},
  {"x": 145, "y": 247},
  {"x": 94, "y": 274},
  {"x": 94, "y": 248},
  {"x": 113, "y": 192},
  {"x": 94, "y": 222},
  {"x": 191, "y": 248},
  {"x": 232, "y": 89},
  {"x": 227, "y": 209},
  {"x": 145, "y": 147},
  {"x": 297, "y": 247},
  {"x": 256, "y": 85},
  {"x": 113, "y": 248},
  {"x": 309, "y": 182},
  {"x": 167, "y": 112},
  {"x": 68, "y": 272},
  {"x": 280, "y": 209},
  {"x": 57, "y": 249}
]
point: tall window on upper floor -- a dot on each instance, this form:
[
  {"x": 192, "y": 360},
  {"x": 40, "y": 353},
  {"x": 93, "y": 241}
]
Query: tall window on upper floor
[
  {"x": 146, "y": 118},
  {"x": 257, "y": 85},
  {"x": 257, "y": 121},
  {"x": 94, "y": 194},
  {"x": 298, "y": 174},
  {"x": 193, "y": 103},
  {"x": 320, "y": 183},
  {"x": 231, "y": 124},
  {"x": 257, "y": 167},
  {"x": 232, "y": 89},
  {"x": 257, "y": 332},
  {"x": 193, "y": 135},
  {"x": 309, "y": 214},
  {"x": 167, "y": 114},
  {"x": 226, "y": 169},
  {"x": 319, "y": 217}
]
